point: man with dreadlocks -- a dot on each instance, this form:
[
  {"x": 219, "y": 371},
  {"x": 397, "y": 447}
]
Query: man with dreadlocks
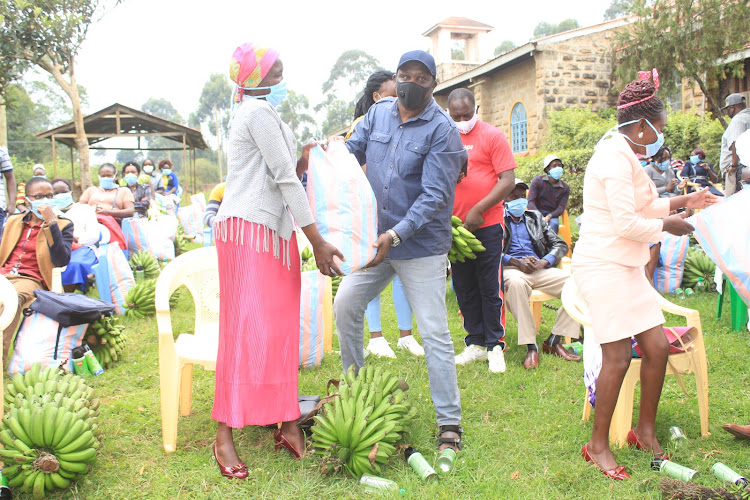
[{"x": 623, "y": 213}]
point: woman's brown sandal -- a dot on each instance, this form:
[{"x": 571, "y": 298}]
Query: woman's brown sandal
[{"x": 453, "y": 442}]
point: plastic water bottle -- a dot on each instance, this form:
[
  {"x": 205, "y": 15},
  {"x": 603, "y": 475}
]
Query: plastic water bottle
[
  {"x": 680, "y": 293},
  {"x": 677, "y": 437},
  {"x": 446, "y": 460},
  {"x": 207, "y": 237},
  {"x": 700, "y": 287},
  {"x": 418, "y": 463},
  {"x": 689, "y": 292}
]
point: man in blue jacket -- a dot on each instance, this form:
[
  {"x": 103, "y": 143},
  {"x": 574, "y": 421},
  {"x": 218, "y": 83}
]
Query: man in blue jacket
[{"x": 413, "y": 154}]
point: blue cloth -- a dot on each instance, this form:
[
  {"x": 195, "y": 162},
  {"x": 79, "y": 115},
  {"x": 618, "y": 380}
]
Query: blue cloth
[
  {"x": 413, "y": 168},
  {"x": 477, "y": 285},
  {"x": 400, "y": 304},
  {"x": 520, "y": 243},
  {"x": 80, "y": 266},
  {"x": 173, "y": 182},
  {"x": 554, "y": 223}
]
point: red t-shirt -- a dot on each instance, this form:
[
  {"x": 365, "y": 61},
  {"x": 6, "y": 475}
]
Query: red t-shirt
[
  {"x": 489, "y": 154},
  {"x": 23, "y": 257}
]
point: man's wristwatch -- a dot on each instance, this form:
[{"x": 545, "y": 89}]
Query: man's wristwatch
[{"x": 396, "y": 239}]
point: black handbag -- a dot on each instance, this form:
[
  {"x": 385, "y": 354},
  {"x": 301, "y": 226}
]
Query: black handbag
[{"x": 70, "y": 309}]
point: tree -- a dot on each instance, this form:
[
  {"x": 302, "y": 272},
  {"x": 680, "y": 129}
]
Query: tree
[
  {"x": 294, "y": 112},
  {"x": 504, "y": 47},
  {"x": 163, "y": 108},
  {"x": 25, "y": 119},
  {"x": 48, "y": 37},
  {"x": 684, "y": 39},
  {"x": 215, "y": 102},
  {"x": 546, "y": 29},
  {"x": 339, "y": 115},
  {"x": 618, "y": 8}
]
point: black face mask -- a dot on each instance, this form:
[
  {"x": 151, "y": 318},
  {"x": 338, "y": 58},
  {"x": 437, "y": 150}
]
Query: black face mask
[{"x": 411, "y": 95}]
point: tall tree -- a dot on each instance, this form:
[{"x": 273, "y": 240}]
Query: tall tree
[
  {"x": 215, "y": 103},
  {"x": 618, "y": 8},
  {"x": 49, "y": 37},
  {"x": 344, "y": 86},
  {"x": 25, "y": 119},
  {"x": 546, "y": 29},
  {"x": 505, "y": 46},
  {"x": 163, "y": 108},
  {"x": 294, "y": 111},
  {"x": 684, "y": 39}
]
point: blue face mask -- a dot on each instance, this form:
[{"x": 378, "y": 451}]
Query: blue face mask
[
  {"x": 654, "y": 147},
  {"x": 40, "y": 176},
  {"x": 277, "y": 95},
  {"x": 695, "y": 159},
  {"x": 36, "y": 204},
  {"x": 663, "y": 166},
  {"x": 107, "y": 182},
  {"x": 166, "y": 171},
  {"x": 131, "y": 179},
  {"x": 556, "y": 173},
  {"x": 517, "y": 207},
  {"x": 63, "y": 200},
  {"x": 644, "y": 163}
]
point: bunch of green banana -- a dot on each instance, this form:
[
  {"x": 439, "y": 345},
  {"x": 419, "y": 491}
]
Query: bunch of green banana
[
  {"x": 465, "y": 244},
  {"x": 107, "y": 339},
  {"x": 181, "y": 240},
  {"x": 306, "y": 254},
  {"x": 149, "y": 263},
  {"x": 139, "y": 301},
  {"x": 309, "y": 265},
  {"x": 358, "y": 430},
  {"x": 335, "y": 282},
  {"x": 698, "y": 265},
  {"x": 44, "y": 382}
]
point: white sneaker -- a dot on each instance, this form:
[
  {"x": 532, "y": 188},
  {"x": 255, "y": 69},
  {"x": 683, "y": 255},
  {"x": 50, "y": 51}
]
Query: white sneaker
[
  {"x": 410, "y": 343},
  {"x": 378, "y": 346},
  {"x": 497, "y": 360},
  {"x": 472, "y": 353}
]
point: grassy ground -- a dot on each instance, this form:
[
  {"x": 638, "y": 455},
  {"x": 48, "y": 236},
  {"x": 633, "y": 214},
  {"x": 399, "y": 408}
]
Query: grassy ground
[{"x": 523, "y": 430}]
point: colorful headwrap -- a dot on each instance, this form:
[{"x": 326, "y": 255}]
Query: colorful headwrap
[
  {"x": 249, "y": 65},
  {"x": 644, "y": 75}
]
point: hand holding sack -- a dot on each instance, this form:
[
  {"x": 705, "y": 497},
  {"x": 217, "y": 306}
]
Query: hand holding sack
[{"x": 343, "y": 204}]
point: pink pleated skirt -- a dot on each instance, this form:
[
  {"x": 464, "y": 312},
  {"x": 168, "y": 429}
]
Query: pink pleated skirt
[
  {"x": 257, "y": 364},
  {"x": 621, "y": 301}
]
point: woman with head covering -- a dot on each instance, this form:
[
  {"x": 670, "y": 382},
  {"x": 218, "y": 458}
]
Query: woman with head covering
[
  {"x": 622, "y": 214},
  {"x": 259, "y": 265},
  {"x": 39, "y": 171},
  {"x": 699, "y": 171}
]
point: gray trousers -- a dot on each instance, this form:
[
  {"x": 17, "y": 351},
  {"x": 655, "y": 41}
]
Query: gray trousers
[{"x": 424, "y": 283}]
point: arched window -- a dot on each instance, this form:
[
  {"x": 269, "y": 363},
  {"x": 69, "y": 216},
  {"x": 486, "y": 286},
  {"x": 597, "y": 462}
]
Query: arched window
[{"x": 518, "y": 129}]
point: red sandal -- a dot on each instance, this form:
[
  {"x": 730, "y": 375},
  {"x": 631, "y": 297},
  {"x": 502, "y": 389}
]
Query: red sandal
[
  {"x": 633, "y": 441},
  {"x": 618, "y": 473}
]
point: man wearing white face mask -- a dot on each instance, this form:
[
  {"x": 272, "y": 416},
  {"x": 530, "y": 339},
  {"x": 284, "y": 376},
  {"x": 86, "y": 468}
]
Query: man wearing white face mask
[
  {"x": 479, "y": 204},
  {"x": 548, "y": 194}
]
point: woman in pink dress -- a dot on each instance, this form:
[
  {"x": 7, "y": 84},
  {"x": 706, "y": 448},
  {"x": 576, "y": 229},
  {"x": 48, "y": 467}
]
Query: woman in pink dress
[
  {"x": 259, "y": 265},
  {"x": 622, "y": 215}
]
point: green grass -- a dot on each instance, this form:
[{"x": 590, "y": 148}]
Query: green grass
[{"x": 523, "y": 429}]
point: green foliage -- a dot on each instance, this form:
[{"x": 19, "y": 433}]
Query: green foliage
[
  {"x": 618, "y": 8},
  {"x": 26, "y": 118},
  {"x": 687, "y": 131},
  {"x": 163, "y": 108},
  {"x": 353, "y": 67},
  {"x": 546, "y": 29},
  {"x": 683, "y": 39},
  {"x": 215, "y": 102},
  {"x": 339, "y": 115},
  {"x": 505, "y": 46},
  {"x": 294, "y": 111},
  {"x": 576, "y": 128}
]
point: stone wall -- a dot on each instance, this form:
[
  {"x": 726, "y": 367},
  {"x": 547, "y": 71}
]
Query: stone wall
[{"x": 447, "y": 70}]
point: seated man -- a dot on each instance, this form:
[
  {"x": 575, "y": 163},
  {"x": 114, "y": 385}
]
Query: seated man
[
  {"x": 531, "y": 250},
  {"x": 548, "y": 194},
  {"x": 33, "y": 243}
]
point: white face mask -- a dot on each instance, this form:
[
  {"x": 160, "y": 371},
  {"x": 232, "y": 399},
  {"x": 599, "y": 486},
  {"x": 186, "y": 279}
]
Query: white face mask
[{"x": 467, "y": 126}]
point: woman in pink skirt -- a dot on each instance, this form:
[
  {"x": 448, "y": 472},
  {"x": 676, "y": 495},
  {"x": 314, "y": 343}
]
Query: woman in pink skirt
[
  {"x": 259, "y": 265},
  {"x": 622, "y": 215}
]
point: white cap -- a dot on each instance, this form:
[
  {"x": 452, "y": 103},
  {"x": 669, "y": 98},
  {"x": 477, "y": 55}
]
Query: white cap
[
  {"x": 39, "y": 166},
  {"x": 549, "y": 159}
]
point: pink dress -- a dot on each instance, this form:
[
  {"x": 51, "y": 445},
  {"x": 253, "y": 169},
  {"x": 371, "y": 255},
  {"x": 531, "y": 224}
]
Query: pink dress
[
  {"x": 622, "y": 214},
  {"x": 258, "y": 360}
]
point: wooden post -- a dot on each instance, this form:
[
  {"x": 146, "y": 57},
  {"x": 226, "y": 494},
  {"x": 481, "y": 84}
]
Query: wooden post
[
  {"x": 54, "y": 157},
  {"x": 184, "y": 155},
  {"x": 117, "y": 121},
  {"x": 72, "y": 170}
]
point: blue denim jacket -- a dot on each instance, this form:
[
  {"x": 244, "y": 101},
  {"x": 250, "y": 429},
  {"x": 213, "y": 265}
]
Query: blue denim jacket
[{"x": 413, "y": 168}]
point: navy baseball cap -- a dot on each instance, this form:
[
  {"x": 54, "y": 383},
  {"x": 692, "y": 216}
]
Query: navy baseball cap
[{"x": 419, "y": 56}]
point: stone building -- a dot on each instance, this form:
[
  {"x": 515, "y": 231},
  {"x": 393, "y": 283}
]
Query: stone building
[{"x": 517, "y": 89}]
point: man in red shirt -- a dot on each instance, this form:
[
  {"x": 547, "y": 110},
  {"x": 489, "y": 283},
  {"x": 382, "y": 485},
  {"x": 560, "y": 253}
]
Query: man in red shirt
[
  {"x": 479, "y": 203},
  {"x": 32, "y": 244}
]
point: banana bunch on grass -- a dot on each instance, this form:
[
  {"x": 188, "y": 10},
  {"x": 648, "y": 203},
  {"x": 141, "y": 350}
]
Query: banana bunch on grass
[
  {"x": 465, "y": 244},
  {"x": 150, "y": 265},
  {"x": 181, "y": 241},
  {"x": 49, "y": 433},
  {"x": 698, "y": 265},
  {"x": 106, "y": 338},
  {"x": 139, "y": 301},
  {"x": 358, "y": 430}
]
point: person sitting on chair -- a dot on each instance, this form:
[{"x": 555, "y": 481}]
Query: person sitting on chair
[
  {"x": 548, "y": 194},
  {"x": 33, "y": 243},
  {"x": 660, "y": 172},
  {"x": 107, "y": 198},
  {"x": 531, "y": 250},
  {"x": 699, "y": 171}
]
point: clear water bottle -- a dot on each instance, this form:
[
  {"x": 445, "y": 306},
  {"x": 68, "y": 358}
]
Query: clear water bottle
[
  {"x": 689, "y": 292},
  {"x": 700, "y": 287},
  {"x": 680, "y": 293},
  {"x": 207, "y": 237}
]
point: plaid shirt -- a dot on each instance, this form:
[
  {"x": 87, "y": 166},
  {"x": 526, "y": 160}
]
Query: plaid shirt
[
  {"x": 5, "y": 166},
  {"x": 549, "y": 199}
]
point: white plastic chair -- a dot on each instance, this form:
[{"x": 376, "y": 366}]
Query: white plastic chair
[
  {"x": 9, "y": 306},
  {"x": 197, "y": 270},
  {"x": 693, "y": 360}
]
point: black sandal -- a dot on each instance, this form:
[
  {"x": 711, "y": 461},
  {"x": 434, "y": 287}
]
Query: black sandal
[{"x": 455, "y": 442}]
